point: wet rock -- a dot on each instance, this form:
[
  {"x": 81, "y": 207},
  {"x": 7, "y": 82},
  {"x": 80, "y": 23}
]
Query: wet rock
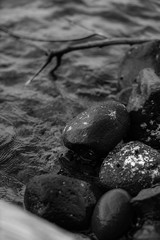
[
  {"x": 144, "y": 109},
  {"x": 147, "y": 204},
  {"x": 149, "y": 231},
  {"x": 132, "y": 167},
  {"x": 100, "y": 128},
  {"x": 146, "y": 55},
  {"x": 112, "y": 215},
  {"x": 66, "y": 201}
]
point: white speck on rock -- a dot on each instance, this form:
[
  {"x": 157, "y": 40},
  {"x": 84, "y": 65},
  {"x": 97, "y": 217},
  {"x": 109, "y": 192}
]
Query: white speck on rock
[
  {"x": 143, "y": 125},
  {"x": 82, "y": 184},
  {"x": 151, "y": 122},
  {"x": 112, "y": 114},
  {"x": 155, "y": 173},
  {"x": 70, "y": 128},
  {"x": 156, "y": 132},
  {"x": 148, "y": 139},
  {"x": 133, "y": 161}
]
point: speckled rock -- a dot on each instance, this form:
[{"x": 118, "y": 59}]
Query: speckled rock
[
  {"x": 144, "y": 109},
  {"x": 146, "y": 55},
  {"x": 100, "y": 128},
  {"x": 132, "y": 167},
  {"x": 112, "y": 215},
  {"x": 68, "y": 202}
]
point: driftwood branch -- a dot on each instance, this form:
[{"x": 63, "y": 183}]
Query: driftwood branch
[{"x": 58, "y": 54}]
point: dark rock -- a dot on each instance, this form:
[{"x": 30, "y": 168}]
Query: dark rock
[
  {"x": 99, "y": 129},
  {"x": 147, "y": 204},
  {"x": 149, "y": 231},
  {"x": 132, "y": 167},
  {"x": 148, "y": 193},
  {"x": 144, "y": 109},
  {"x": 146, "y": 55},
  {"x": 68, "y": 202},
  {"x": 112, "y": 215}
]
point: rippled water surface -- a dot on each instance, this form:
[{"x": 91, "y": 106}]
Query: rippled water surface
[{"x": 38, "y": 112}]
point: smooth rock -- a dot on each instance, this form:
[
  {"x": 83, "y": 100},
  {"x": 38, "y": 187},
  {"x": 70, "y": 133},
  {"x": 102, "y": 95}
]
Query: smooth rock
[
  {"x": 112, "y": 215},
  {"x": 144, "y": 109},
  {"x": 65, "y": 201},
  {"x": 100, "y": 128},
  {"x": 132, "y": 167}
]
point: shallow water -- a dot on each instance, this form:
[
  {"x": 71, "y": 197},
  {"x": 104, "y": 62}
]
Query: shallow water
[{"x": 38, "y": 112}]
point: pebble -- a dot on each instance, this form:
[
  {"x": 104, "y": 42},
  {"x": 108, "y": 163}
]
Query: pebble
[
  {"x": 147, "y": 204},
  {"x": 149, "y": 231},
  {"x": 100, "y": 128},
  {"x": 132, "y": 166},
  {"x": 62, "y": 200},
  {"x": 112, "y": 215}
]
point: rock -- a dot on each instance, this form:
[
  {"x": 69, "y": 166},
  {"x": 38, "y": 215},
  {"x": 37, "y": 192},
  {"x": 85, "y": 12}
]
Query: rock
[
  {"x": 132, "y": 167},
  {"x": 65, "y": 201},
  {"x": 146, "y": 55},
  {"x": 149, "y": 231},
  {"x": 112, "y": 215},
  {"x": 144, "y": 109},
  {"x": 147, "y": 204},
  {"x": 100, "y": 128}
]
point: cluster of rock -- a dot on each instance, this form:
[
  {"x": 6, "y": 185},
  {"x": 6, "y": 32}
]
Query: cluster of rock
[{"x": 112, "y": 162}]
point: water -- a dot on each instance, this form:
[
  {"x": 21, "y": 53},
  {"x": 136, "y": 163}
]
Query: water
[{"x": 40, "y": 111}]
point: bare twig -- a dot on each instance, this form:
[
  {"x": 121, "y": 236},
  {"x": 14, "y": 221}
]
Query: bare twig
[
  {"x": 19, "y": 36},
  {"x": 58, "y": 54},
  {"x": 49, "y": 59}
]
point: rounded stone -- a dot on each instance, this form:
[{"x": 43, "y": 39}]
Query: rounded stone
[
  {"x": 112, "y": 215},
  {"x": 132, "y": 166},
  {"x": 100, "y": 128},
  {"x": 65, "y": 201}
]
